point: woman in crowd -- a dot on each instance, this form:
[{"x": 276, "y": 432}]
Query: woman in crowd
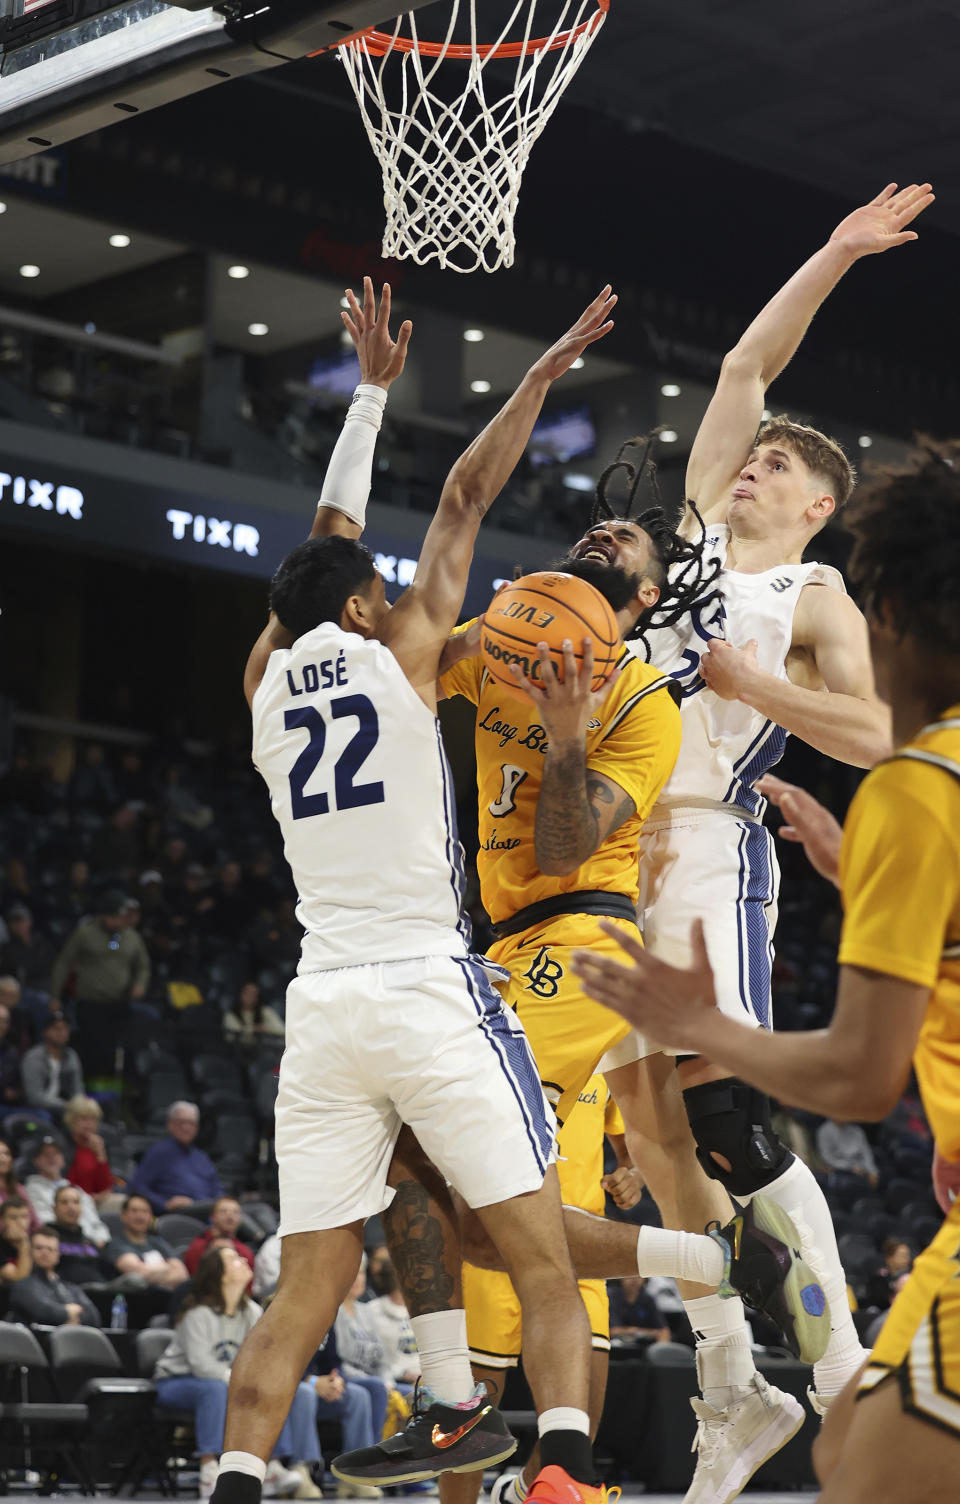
[
  {"x": 10, "y": 1186},
  {"x": 89, "y": 1168},
  {"x": 194, "y": 1373},
  {"x": 251, "y": 1020}
]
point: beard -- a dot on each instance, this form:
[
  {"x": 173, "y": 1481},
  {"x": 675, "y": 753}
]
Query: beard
[{"x": 617, "y": 586}]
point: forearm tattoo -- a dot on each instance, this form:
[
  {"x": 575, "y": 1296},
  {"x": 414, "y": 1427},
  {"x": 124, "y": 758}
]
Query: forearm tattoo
[
  {"x": 415, "y": 1240},
  {"x": 566, "y": 823}
]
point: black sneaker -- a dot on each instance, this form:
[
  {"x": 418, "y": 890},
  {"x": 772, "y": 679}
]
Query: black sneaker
[
  {"x": 437, "y": 1439},
  {"x": 764, "y": 1265}
]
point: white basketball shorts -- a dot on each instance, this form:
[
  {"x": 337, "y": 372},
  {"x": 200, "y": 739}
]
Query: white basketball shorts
[
  {"x": 722, "y": 868},
  {"x": 426, "y": 1042}
]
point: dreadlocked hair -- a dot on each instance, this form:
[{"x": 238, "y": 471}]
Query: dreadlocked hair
[
  {"x": 906, "y": 557},
  {"x": 683, "y": 578}
]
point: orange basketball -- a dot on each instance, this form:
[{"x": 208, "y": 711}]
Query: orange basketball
[{"x": 548, "y": 607}]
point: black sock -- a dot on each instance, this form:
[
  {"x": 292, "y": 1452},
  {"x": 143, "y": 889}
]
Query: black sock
[
  {"x": 570, "y": 1450},
  {"x": 236, "y": 1488}
]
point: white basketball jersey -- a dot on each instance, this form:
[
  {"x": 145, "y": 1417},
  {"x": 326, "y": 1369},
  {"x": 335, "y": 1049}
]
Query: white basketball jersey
[
  {"x": 360, "y": 785},
  {"x": 726, "y": 745}
]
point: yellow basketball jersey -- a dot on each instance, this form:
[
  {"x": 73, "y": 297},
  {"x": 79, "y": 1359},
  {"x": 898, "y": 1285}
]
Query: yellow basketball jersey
[
  {"x": 900, "y": 881},
  {"x": 633, "y": 739},
  {"x": 580, "y": 1146}
]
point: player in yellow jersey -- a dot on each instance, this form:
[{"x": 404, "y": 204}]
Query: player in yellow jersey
[
  {"x": 494, "y": 1326},
  {"x": 898, "y": 869}
]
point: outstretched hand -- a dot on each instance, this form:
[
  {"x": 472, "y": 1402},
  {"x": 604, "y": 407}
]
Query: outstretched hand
[
  {"x": 665, "y": 1003},
  {"x": 565, "y": 705},
  {"x": 883, "y": 222},
  {"x": 593, "y": 324},
  {"x": 808, "y": 822},
  {"x": 381, "y": 357}
]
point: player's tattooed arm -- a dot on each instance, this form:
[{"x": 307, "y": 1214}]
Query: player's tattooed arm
[{"x": 577, "y": 810}]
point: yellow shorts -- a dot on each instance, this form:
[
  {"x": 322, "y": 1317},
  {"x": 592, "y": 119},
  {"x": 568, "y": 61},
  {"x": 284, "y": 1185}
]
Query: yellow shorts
[
  {"x": 568, "y": 1032},
  {"x": 920, "y": 1339},
  {"x": 494, "y": 1325}
]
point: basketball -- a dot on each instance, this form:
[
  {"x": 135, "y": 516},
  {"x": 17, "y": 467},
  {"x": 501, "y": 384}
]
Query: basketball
[{"x": 548, "y": 607}]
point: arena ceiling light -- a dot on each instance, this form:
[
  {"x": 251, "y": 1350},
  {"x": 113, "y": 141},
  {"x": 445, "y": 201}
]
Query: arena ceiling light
[
  {"x": 238, "y": 272},
  {"x": 668, "y": 436},
  {"x": 258, "y": 329},
  {"x": 474, "y": 336},
  {"x": 3, "y": 208},
  {"x": 120, "y": 242},
  {"x": 480, "y": 387},
  {"x": 29, "y": 270},
  {"x": 865, "y": 441},
  {"x": 670, "y": 389},
  {"x": 574, "y": 481}
]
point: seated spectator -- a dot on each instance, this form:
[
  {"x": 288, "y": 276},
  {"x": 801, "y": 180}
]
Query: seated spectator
[
  {"x": 27, "y": 955},
  {"x": 266, "y": 1266},
  {"x": 51, "y": 1071},
  {"x": 21, "y": 1031},
  {"x": 44, "y": 1298},
  {"x": 15, "y": 1258},
  {"x": 11, "y": 1086},
  {"x": 635, "y": 1313},
  {"x": 885, "y": 1284},
  {"x": 379, "y": 1272},
  {"x": 80, "y": 1260},
  {"x": 90, "y": 1168},
  {"x": 194, "y": 1373},
  {"x": 387, "y": 1316},
  {"x": 361, "y": 1351},
  {"x": 225, "y": 1218},
  {"x": 359, "y": 1404},
  {"x": 115, "y": 847},
  {"x": 110, "y": 966},
  {"x": 251, "y": 1020},
  {"x": 845, "y": 1146},
  {"x": 10, "y": 1186},
  {"x": 229, "y": 913},
  {"x": 141, "y": 1252},
  {"x": 175, "y": 1173},
  {"x": 41, "y": 1188}
]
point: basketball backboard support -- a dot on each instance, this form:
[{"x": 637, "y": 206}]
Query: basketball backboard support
[{"x": 69, "y": 67}]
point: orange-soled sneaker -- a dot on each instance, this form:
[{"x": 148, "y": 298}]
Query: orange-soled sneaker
[{"x": 554, "y": 1485}]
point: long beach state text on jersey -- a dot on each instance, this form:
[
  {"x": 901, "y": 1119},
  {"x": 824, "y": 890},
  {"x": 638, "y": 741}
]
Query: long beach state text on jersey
[
  {"x": 727, "y": 745},
  {"x": 360, "y": 786}
]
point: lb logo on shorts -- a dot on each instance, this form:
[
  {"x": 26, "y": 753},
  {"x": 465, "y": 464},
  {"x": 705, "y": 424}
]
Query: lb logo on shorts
[{"x": 545, "y": 975}]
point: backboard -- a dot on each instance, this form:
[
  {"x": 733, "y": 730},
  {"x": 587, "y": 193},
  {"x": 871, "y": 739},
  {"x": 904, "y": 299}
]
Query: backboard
[{"x": 68, "y": 67}]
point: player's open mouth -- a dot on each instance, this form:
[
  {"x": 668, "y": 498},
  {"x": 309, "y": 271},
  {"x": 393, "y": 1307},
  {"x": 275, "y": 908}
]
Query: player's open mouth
[{"x": 593, "y": 552}]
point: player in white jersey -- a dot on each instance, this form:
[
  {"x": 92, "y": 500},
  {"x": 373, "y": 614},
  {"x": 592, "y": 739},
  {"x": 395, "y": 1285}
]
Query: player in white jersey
[
  {"x": 390, "y": 1019},
  {"x": 754, "y": 661}
]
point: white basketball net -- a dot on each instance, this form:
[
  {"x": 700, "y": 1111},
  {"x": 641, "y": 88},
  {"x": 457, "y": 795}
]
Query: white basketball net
[{"x": 452, "y": 166}]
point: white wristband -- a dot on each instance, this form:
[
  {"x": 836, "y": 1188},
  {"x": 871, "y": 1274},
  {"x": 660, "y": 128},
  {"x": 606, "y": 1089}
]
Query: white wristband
[
  {"x": 367, "y": 404},
  {"x": 346, "y": 485}
]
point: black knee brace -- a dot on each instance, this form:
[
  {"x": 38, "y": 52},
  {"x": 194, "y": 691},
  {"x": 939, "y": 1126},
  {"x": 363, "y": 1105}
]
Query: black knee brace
[{"x": 732, "y": 1119}]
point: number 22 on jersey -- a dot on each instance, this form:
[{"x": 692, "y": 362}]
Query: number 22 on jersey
[{"x": 347, "y": 793}]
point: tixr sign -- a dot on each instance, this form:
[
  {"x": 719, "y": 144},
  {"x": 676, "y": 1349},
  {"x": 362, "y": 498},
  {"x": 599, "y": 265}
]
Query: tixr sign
[
  {"x": 242, "y": 537},
  {"x": 23, "y": 490}
]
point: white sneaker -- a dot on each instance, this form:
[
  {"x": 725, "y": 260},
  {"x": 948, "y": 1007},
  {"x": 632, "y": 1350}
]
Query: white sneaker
[
  {"x": 502, "y": 1492},
  {"x": 280, "y": 1482},
  {"x": 358, "y": 1491},
  {"x": 732, "y": 1444},
  {"x": 208, "y": 1478},
  {"x": 308, "y": 1489}
]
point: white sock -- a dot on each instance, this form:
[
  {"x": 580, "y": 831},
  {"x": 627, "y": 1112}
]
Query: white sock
[
  {"x": 516, "y": 1491},
  {"x": 444, "y": 1355},
  {"x": 679, "y": 1255},
  {"x": 242, "y": 1462},
  {"x": 798, "y": 1193},
  {"x": 725, "y": 1365},
  {"x": 563, "y": 1418}
]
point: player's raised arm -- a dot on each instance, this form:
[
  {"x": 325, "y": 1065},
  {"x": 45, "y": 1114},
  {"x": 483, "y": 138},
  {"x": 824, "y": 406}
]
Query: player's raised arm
[
  {"x": 346, "y": 487},
  {"x": 418, "y": 626},
  {"x": 727, "y": 432}
]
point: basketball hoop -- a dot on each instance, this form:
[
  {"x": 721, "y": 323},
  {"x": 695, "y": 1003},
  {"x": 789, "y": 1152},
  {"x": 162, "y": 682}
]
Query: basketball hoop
[{"x": 453, "y": 149}]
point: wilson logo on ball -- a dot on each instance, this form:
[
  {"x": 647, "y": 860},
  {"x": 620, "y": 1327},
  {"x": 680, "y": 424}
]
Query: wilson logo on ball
[{"x": 548, "y": 607}]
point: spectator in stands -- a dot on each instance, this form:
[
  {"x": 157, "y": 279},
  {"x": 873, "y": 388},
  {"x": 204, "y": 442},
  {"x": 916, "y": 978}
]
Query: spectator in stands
[
  {"x": 141, "y": 1252},
  {"x": 635, "y": 1313},
  {"x": 360, "y": 1406},
  {"x": 251, "y": 1020},
  {"x": 266, "y": 1267},
  {"x": 80, "y": 1261},
  {"x": 361, "y": 1351},
  {"x": 92, "y": 786},
  {"x": 225, "y": 1218},
  {"x": 173, "y": 864},
  {"x": 116, "y": 846},
  {"x": 276, "y": 941},
  {"x": 10, "y": 1186},
  {"x": 175, "y": 1173},
  {"x": 51, "y": 1071},
  {"x": 181, "y": 803},
  {"x": 11, "y": 1086},
  {"x": 75, "y": 900},
  {"x": 885, "y": 1284},
  {"x": 111, "y": 966},
  {"x": 133, "y": 784},
  {"x": 845, "y": 1146},
  {"x": 44, "y": 1298},
  {"x": 15, "y": 1258},
  {"x": 379, "y": 1272},
  {"x": 388, "y": 1318},
  {"x": 16, "y": 886},
  {"x": 90, "y": 1167},
  {"x": 20, "y": 1031},
  {"x": 194, "y": 1373},
  {"x": 229, "y": 914},
  {"x": 41, "y": 1188},
  {"x": 27, "y": 955}
]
